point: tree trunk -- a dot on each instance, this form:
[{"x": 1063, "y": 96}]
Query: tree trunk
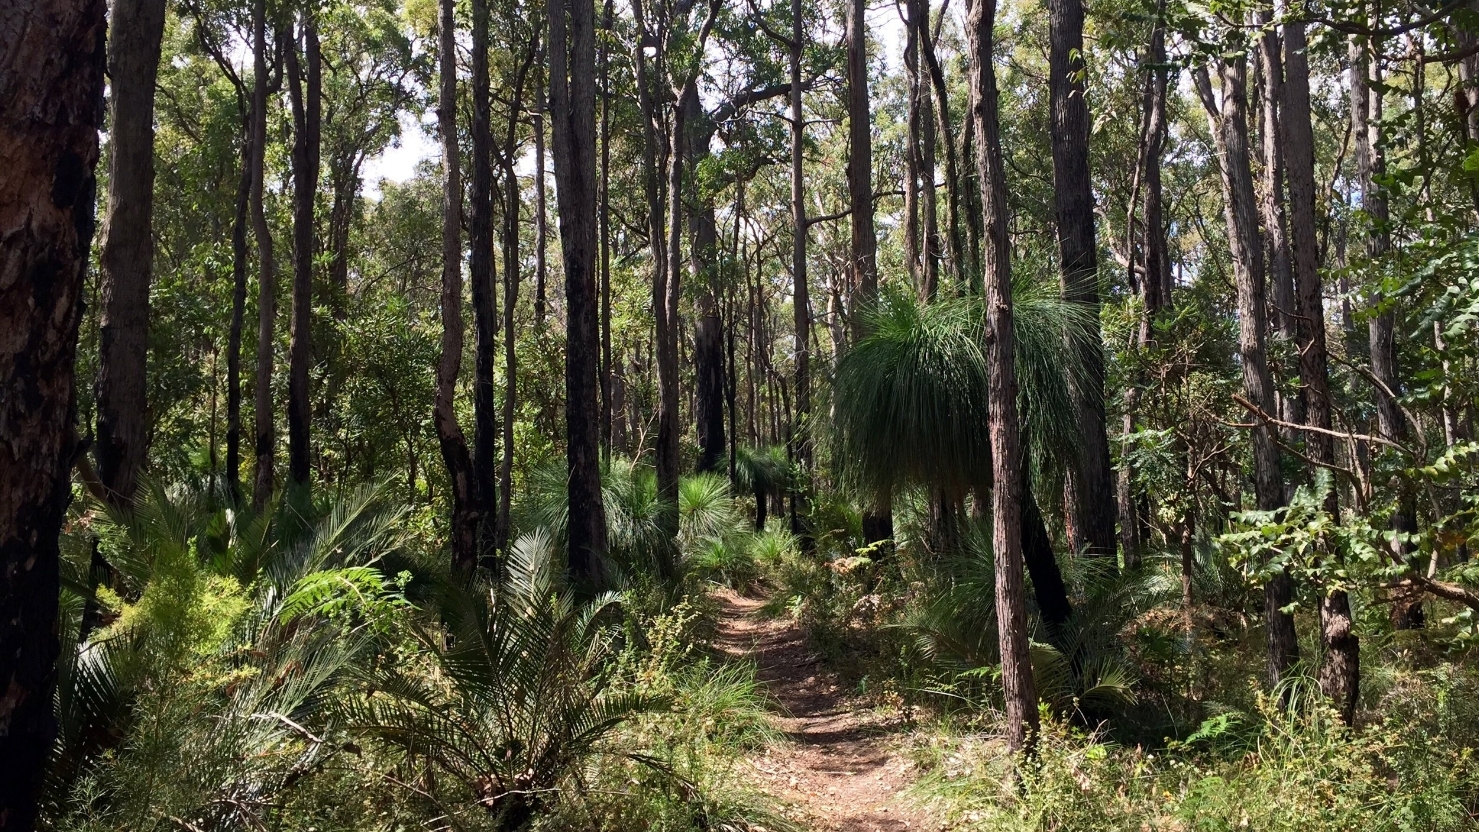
[
  {"x": 51, "y": 110},
  {"x": 606, "y": 369},
  {"x": 238, "y": 308},
  {"x": 929, "y": 206},
  {"x": 1275, "y": 219},
  {"x": 703, "y": 264},
  {"x": 665, "y": 302},
  {"x": 1089, "y": 486},
  {"x": 1155, "y": 285},
  {"x": 541, "y": 221},
  {"x": 800, "y": 297},
  {"x": 127, "y": 247},
  {"x": 264, "y": 479},
  {"x": 1242, "y": 216},
  {"x": 1048, "y": 588},
  {"x": 1340, "y": 672},
  {"x": 307, "y": 124},
  {"x": 864, "y": 240},
  {"x": 465, "y": 500},
  {"x": 572, "y": 56},
  {"x": 484, "y": 287},
  {"x": 1006, "y": 451}
]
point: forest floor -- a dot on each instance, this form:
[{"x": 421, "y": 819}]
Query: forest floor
[{"x": 842, "y": 769}]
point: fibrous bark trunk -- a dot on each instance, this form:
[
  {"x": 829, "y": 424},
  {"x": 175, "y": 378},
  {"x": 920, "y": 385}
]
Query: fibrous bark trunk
[
  {"x": 864, "y": 239},
  {"x": 51, "y": 109},
  {"x": 1089, "y": 491},
  {"x": 453, "y": 444},
  {"x": 541, "y": 216},
  {"x": 1273, "y": 206},
  {"x": 264, "y": 478},
  {"x": 1241, "y": 211},
  {"x": 572, "y": 55},
  {"x": 484, "y": 287},
  {"x": 1006, "y": 451},
  {"x": 800, "y": 293},
  {"x": 703, "y": 266},
  {"x": 127, "y": 247},
  {"x": 304, "y": 89},
  {"x": 1340, "y": 671}
]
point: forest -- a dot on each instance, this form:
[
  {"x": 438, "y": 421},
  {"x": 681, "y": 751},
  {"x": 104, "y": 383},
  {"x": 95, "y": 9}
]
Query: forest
[{"x": 759, "y": 416}]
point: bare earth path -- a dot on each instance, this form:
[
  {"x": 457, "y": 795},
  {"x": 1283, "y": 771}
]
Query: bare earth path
[{"x": 839, "y": 769}]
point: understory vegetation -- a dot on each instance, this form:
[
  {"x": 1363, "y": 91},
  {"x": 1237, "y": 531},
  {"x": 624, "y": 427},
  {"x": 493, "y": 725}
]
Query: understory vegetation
[{"x": 725, "y": 415}]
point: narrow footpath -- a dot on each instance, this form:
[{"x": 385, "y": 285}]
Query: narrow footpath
[{"x": 840, "y": 768}]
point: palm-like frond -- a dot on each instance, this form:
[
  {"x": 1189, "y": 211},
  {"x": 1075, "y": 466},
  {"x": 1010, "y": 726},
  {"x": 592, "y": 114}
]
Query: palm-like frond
[
  {"x": 522, "y": 693},
  {"x": 910, "y": 403}
]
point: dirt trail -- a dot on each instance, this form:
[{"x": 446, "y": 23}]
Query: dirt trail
[{"x": 839, "y": 769}]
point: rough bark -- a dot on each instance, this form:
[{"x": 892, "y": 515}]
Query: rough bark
[
  {"x": 1006, "y": 450},
  {"x": 863, "y": 258},
  {"x": 484, "y": 287},
  {"x": 541, "y": 215},
  {"x": 51, "y": 103},
  {"x": 1241, "y": 210},
  {"x": 305, "y": 86},
  {"x": 264, "y": 478},
  {"x": 800, "y": 293},
  {"x": 1272, "y": 207},
  {"x": 1370, "y": 158},
  {"x": 1089, "y": 487},
  {"x": 1340, "y": 671},
  {"x": 572, "y": 64},
  {"x": 239, "y": 257},
  {"x": 127, "y": 247},
  {"x": 450, "y": 439}
]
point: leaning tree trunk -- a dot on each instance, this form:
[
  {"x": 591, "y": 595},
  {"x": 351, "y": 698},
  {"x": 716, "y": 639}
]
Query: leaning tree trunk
[
  {"x": 51, "y": 108},
  {"x": 1242, "y": 216},
  {"x": 572, "y": 64},
  {"x": 1006, "y": 451},
  {"x": 127, "y": 247},
  {"x": 264, "y": 478},
  {"x": 484, "y": 287},
  {"x": 1089, "y": 489},
  {"x": 453, "y": 444},
  {"x": 1340, "y": 672},
  {"x": 304, "y": 88}
]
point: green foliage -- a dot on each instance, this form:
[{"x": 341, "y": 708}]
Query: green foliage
[{"x": 1269, "y": 770}]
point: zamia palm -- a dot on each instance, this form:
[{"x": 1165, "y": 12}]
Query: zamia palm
[
  {"x": 514, "y": 699},
  {"x": 201, "y": 696}
]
